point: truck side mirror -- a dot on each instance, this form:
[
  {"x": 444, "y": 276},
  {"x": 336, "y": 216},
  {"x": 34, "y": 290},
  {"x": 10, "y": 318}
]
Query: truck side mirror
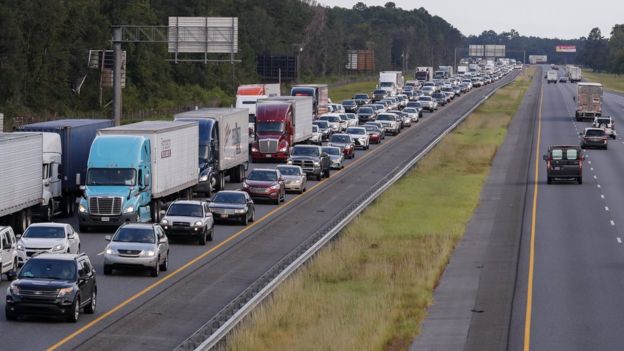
[{"x": 545, "y": 157}]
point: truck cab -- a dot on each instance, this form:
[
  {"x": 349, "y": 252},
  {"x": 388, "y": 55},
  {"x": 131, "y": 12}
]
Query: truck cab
[
  {"x": 274, "y": 131},
  {"x": 52, "y": 177},
  {"x": 209, "y": 179},
  {"x": 118, "y": 188}
]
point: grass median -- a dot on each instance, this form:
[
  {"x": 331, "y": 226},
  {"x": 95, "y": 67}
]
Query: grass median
[
  {"x": 369, "y": 289},
  {"x": 347, "y": 91},
  {"x": 609, "y": 81}
]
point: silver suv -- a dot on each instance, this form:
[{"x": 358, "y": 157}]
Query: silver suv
[
  {"x": 8, "y": 252},
  {"x": 138, "y": 245},
  {"x": 190, "y": 219}
]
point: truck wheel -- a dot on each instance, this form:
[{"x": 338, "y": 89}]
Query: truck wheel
[
  {"x": 49, "y": 211},
  {"x": 579, "y": 180},
  {"x": 75, "y": 311},
  {"x": 21, "y": 222},
  {"x": 67, "y": 206},
  {"x": 548, "y": 180},
  {"x": 327, "y": 173},
  {"x": 319, "y": 176},
  {"x": 155, "y": 209},
  {"x": 108, "y": 270}
]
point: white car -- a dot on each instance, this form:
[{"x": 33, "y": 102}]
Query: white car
[
  {"x": 317, "y": 136},
  {"x": 47, "y": 237},
  {"x": 360, "y": 137},
  {"x": 391, "y": 122},
  {"x": 353, "y": 119},
  {"x": 412, "y": 112},
  {"x": 334, "y": 121},
  {"x": 8, "y": 252}
]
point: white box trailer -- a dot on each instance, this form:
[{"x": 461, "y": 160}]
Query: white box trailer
[
  {"x": 302, "y": 117},
  {"x": 174, "y": 153},
  {"x": 21, "y": 157}
]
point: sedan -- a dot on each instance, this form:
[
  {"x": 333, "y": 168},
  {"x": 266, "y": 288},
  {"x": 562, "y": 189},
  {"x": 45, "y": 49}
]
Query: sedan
[
  {"x": 374, "y": 133},
  {"x": 295, "y": 178},
  {"x": 234, "y": 205},
  {"x": 139, "y": 245},
  {"x": 324, "y": 128},
  {"x": 412, "y": 112},
  {"x": 334, "y": 122},
  {"x": 428, "y": 103},
  {"x": 366, "y": 113},
  {"x": 345, "y": 143},
  {"x": 266, "y": 184},
  {"x": 335, "y": 155},
  {"x": 350, "y": 105},
  {"x": 47, "y": 237},
  {"x": 190, "y": 219},
  {"x": 379, "y": 126},
  {"x": 359, "y": 136}
]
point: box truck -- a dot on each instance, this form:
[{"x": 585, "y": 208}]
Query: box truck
[
  {"x": 132, "y": 169},
  {"x": 247, "y": 96},
  {"x": 281, "y": 123},
  {"x": 65, "y": 161},
  {"x": 552, "y": 76},
  {"x": 391, "y": 81},
  {"x": 588, "y": 100},
  {"x": 424, "y": 74},
  {"x": 21, "y": 156},
  {"x": 223, "y": 146},
  {"x": 575, "y": 74},
  {"x": 319, "y": 94}
]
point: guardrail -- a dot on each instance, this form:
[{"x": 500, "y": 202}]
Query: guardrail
[{"x": 215, "y": 330}]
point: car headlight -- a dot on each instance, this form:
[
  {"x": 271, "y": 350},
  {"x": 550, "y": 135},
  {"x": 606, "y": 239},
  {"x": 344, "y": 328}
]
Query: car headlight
[
  {"x": 289, "y": 162},
  {"x": 275, "y": 187},
  {"x": 149, "y": 253},
  {"x": 164, "y": 221},
  {"x": 65, "y": 292},
  {"x": 82, "y": 209},
  {"x": 198, "y": 224},
  {"x": 109, "y": 251},
  {"x": 129, "y": 209},
  {"x": 240, "y": 210},
  {"x": 14, "y": 289},
  {"x": 245, "y": 185},
  {"x": 253, "y": 149},
  {"x": 58, "y": 247},
  {"x": 203, "y": 178},
  {"x": 20, "y": 247}
]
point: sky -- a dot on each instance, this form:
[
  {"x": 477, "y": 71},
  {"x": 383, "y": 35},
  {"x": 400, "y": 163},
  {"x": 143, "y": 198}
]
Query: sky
[{"x": 563, "y": 19}]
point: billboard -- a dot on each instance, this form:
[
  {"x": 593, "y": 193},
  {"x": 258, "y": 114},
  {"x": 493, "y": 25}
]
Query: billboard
[
  {"x": 203, "y": 35},
  {"x": 276, "y": 68},
  {"x": 566, "y": 48},
  {"x": 475, "y": 51},
  {"x": 494, "y": 51},
  {"x": 360, "y": 60},
  {"x": 536, "y": 59}
]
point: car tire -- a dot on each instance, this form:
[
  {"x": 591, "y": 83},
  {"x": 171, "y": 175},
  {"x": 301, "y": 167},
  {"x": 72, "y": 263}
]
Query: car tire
[
  {"x": 211, "y": 233},
  {"x": 154, "y": 271},
  {"x": 108, "y": 270},
  {"x": 49, "y": 211},
  {"x": 165, "y": 265},
  {"x": 319, "y": 176},
  {"x": 253, "y": 216},
  {"x": 83, "y": 228},
  {"x": 245, "y": 219},
  {"x": 606, "y": 147},
  {"x": 579, "y": 180},
  {"x": 277, "y": 202},
  {"x": 548, "y": 180},
  {"x": 75, "y": 311},
  {"x": 9, "y": 315},
  {"x": 328, "y": 173},
  {"x": 90, "y": 309},
  {"x": 201, "y": 240}
]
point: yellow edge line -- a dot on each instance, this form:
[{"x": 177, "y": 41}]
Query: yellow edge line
[
  {"x": 203, "y": 255},
  {"x": 529, "y": 300}
]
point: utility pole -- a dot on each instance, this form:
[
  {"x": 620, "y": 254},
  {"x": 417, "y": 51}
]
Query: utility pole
[{"x": 117, "y": 76}]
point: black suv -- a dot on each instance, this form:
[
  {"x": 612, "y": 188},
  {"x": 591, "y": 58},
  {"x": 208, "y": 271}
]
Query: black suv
[
  {"x": 311, "y": 159},
  {"x": 564, "y": 162},
  {"x": 53, "y": 284}
]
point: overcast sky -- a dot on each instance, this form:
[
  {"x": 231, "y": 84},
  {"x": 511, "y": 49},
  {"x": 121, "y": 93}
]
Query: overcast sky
[{"x": 564, "y": 19}]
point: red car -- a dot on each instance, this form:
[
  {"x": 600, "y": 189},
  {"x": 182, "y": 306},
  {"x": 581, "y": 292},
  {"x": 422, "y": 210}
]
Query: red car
[
  {"x": 374, "y": 134},
  {"x": 344, "y": 142},
  {"x": 265, "y": 184}
]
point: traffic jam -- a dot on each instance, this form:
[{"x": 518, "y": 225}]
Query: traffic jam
[{"x": 150, "y": 189}]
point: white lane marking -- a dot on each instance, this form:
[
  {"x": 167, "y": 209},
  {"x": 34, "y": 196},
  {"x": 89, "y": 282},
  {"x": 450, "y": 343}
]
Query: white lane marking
[
  {"x": 589, "y": 162},
  {"x": 606, "y": 208},
  {"x": 602, "y": 196},
  {"x": 591, "y": 168},
  {"x": 619, "y": 240},
  {"x": 612, "y": 223},
  {"x": 595, "y": 177},
  {"x": 598, "y": 185}
]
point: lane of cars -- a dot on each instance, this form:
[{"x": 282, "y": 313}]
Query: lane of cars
[{"x": 147, "y": 246}]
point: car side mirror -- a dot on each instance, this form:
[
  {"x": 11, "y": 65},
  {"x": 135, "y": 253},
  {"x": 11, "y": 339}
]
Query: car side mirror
[
  {"x": 107, "y": 238},
  {"x": 162, "y": 240},
  {"x": 162, "y": 213}
]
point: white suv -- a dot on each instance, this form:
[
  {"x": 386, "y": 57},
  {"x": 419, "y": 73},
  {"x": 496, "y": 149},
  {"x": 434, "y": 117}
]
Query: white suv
[
  {"x": 47, "y": 237},
  {"x": 8, "y": 252}
]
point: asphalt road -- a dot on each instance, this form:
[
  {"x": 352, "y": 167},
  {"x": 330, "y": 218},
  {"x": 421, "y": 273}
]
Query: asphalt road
[
  {"x": 137, "y": 312},
  {"x": 578, "y": 251}
]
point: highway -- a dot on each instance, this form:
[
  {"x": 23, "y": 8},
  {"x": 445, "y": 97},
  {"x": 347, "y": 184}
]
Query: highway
[
  {"x": 139, "y": 312},
  {"x": 576, "y": 246}
]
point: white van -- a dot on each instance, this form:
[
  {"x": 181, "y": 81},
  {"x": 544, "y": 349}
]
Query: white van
[{"x": 8, "y": 253}]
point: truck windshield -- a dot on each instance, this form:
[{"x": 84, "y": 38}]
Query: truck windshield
[
  {"x": 270, "y": 127},
  {"x": 305, "y": 151},
  {"x": 385, "y": 84},
  {"x": 111, "y": 176},
  {"x": 302, "y": 92}
]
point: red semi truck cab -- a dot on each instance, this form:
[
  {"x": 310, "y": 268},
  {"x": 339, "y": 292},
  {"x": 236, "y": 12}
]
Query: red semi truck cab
[{"x": 274, "y": 131}]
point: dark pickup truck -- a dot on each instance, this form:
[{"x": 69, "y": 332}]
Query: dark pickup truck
[
  {"x": 564, "y": 162},
  {"x": 311, "y": 159}
]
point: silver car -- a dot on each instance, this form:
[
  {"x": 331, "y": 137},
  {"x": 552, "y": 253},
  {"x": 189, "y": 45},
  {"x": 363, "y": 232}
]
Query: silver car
[
  {"x": 188, "y": 219},
  {"x": 317, "y": 135},
  {"x": 336, "y": 156},
  {"x": 295, "y": 178},
  {"x": 140, "y": 245}
]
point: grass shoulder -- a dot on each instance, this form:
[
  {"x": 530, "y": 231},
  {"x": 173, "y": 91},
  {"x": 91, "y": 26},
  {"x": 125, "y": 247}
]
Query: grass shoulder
[
  {"x": 608, "y": 80},
  {"x": 369, "y": 289}
]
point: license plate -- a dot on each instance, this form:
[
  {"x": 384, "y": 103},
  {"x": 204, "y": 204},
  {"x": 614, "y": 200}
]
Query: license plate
[
  {"x": 557, "y": 168},
  {"x": 105, "y": 219},
  {"x": 224, "y": 216},
  {"x": 267, "y": 156}
]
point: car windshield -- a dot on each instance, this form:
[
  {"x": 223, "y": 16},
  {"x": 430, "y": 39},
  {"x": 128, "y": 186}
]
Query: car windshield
[
  {"x": 330, "y": 118},
  {"x": 594, "y": 132},
  {"x": 262, "y": 175},
  {"x": 302, "y": 92},
  {"x": 270, "y": 126},
  {"x": 379, "y": 92},
  {"x": 360, "y": 97},
  {"x": 332, "y": 151},
  {"x": 370, "y": 128},
  {"x": 355, "y": 131},
  {"x": 229, "y": 198},
  {"x": 340, "y": 139},
  {"x": 48, "y": 269},
  {"x": 44, "y": 233},
  {"x": 409, "y": 110},
  {"x": 111, "y": 176},
  {"x": 290, "y": 171},
  {"x": 348, "y": 103},
  {"x": 135, "y": 235},
  {"x": 365, "y": 110},
  {"x": 185, "y": 210},
  {"x": 386, "y": 84},
  {"x": 425, "y": 98},
  {"x": 305, "y": 151},
  {"x": 385, "y": 118},
  {"x": 322, "y": 124}
]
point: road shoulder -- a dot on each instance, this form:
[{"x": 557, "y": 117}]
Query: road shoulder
[{"x": 473, "y": 301}]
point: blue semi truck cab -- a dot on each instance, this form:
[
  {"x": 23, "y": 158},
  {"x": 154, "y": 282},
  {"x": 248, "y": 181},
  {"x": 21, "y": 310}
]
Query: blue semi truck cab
[{"x": 118, "y": 188}]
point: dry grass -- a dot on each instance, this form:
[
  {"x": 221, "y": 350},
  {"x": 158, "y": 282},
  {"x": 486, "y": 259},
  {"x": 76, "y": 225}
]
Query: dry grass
[
  {"x": 609, "y": 81},
  {"x": 369, "y": 289}
]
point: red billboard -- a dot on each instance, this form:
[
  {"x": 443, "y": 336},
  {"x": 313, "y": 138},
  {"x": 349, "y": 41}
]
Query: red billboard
[{"x": 566, "y": 48}]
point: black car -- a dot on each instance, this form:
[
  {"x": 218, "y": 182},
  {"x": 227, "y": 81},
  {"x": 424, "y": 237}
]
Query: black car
[
  {"x": 53, "y": 284},
  {"x": 311, "y": 159},
  {"x": 366, "y": 113},
  {"x": 361, "y": 99},
  {"x": 379, "y": 95},
  {"x": 564, "y": 162},
  {"x": 440, "y": 98},
  {"x": 233, "y": 205},
  {"x": 350, "y": 105}
]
